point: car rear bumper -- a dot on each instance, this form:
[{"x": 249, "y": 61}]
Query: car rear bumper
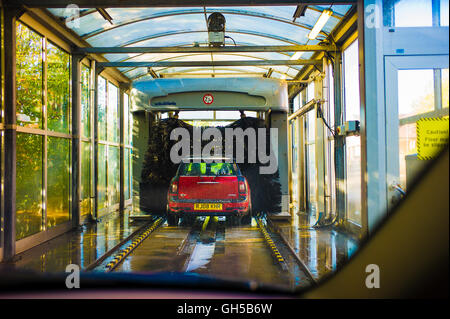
[{"x": 228, "y": 209}]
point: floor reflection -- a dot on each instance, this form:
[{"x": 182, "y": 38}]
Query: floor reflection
[
  {"x": 81, "y": 247},
  {"x": 322, "y": 250},
  {"x": 239, "y": 256}
]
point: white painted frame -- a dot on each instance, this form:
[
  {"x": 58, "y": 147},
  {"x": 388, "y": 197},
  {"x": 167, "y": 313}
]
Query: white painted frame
[{"x": 392, "y": 65}]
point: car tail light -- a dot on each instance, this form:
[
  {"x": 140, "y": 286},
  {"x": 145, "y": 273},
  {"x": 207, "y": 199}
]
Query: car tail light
[
  {"x": 242, "y": 188},
  {"x": 174, "y": 187}
]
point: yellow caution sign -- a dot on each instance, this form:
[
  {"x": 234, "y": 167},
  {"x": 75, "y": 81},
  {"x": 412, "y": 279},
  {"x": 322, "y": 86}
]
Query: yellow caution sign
[{"x": 432, "y": 137}]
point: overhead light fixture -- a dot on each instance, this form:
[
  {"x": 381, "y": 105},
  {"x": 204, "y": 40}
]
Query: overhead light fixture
[
  {"x": 216, "y": 29},
  {"x": 320, "y": 23},
  {"x": 297, "y": 55}
]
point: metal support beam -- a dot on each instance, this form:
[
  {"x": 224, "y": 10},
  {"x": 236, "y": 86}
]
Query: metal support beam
[
  {"x": 326, "y": 142},
  {"x": 319, "y": 148},
  {"x": 95, "y": 72},
  {"x": 57, "y": 27},
  {"x": 365, "y": 169},
  {"x": 301, "y": 164},
  {"x": 92, "y": 98},
  {"x": 152, "y": 73},
  {"x": 304, "y": 109},
  {"x": 373, "y": 118},
  {"x": 9, "y": 219},
  {"x": 300, "y": 11},
  {"x": 76, "y": 139},
  {"x": 161, "y": 3},
  {"x": 290, "y": 154},
  {"x": 345, "y": 28},
  {"x": 339, "y": 141},
  {"x": 121, "y": 150},
  {"x": 269, "y": 73},
  {"x": 208, "y": 63},
  {"x": 105, "y": 14},
  {"x": 207, "y": 49}
]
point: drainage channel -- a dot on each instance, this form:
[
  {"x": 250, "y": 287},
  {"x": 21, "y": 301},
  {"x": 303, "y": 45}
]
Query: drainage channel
[
  {"x": 166, "y": 250},
  {"x": 240, "y": 253},
  {"x": 290, "y": 257},
  {"x": 208, "y": 246},
  {"x": 110, "y": 260},
  {"x": 273, "y": 248}
]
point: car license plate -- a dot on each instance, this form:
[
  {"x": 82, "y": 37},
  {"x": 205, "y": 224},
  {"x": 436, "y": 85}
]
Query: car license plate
[{"x": 208, "y": 206}]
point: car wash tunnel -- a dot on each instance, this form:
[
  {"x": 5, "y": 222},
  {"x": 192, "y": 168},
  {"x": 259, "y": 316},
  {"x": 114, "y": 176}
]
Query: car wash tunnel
[{"x": 256, "y": 143}]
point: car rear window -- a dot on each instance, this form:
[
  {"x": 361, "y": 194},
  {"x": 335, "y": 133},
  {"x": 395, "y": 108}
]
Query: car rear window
[{"x": 208, "y": 169}]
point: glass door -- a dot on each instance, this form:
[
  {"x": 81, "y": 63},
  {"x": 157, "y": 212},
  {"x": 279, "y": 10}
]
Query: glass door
[{"x": 416, "y": 88}]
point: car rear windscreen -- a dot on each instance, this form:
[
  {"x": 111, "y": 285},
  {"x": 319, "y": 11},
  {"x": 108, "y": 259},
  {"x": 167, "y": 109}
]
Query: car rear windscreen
[{"x": 208, "y": 169}]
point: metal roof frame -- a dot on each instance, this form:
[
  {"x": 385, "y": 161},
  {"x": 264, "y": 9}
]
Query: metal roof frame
[
  {"x": 237, "y": 31},
  {"x": 164, "y": 3},
  {"x": 207, "y": 49},
  {"x": 153, "y": 64},
  {"x": 200, "y": 11},
  {"x": 297, "y": 45},
  {"x": 193, "y": 69},
  {"x": 187, "y": 55}
]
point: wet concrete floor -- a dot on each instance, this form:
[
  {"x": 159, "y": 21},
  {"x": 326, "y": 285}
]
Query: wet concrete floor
[
  {"x": 228, "y": 252},
  {"x": 81, "y": 247},
  {"x": 237, "y": 253},
  {"x": 322, "y": 250}
]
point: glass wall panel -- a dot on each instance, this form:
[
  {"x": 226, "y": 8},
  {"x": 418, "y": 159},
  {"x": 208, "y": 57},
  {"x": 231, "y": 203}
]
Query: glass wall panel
[
  {"x": 58, "y": 89},
  {"x": 113, "y": 175},
  {"x": 126, "y": 165},
  {"x": 416, "y": 95},
  {"x": 230, "y": 115},
  {"x": 311, "y": 175},
  {"x": 407, "y": 138},
  {"x": 444, "y": 85},
  {"x": 353, "y": 143},
  {"x": 332, "y": 177},
  {"x": 311, "y": 159},
  {"x": 415, "y": 92},
  {"x": 296, "y": 105},
  {"x": 101, "y": 187},
  {"x": 85, "y": 205},
  {"x": 444, "y": 13},
  {"x": 29, "y": 74},
  {"x": 415, "y": 13},
  {"x": 294, "y": 145},
  {"x": 310, "y": 91},
  {"x": 311, "y": 126},
  {"x": 201, "y": 115},
  {"x": 58, "y": 180},
  {"x": 85, "y": 103},
  {"x": 28, "y": 185},
  {"x": 353, "y": 160},
  {"x": 126, "y": 119},
  {"x": 101, "y": 108},
  {"x": 113, "y": 113}
]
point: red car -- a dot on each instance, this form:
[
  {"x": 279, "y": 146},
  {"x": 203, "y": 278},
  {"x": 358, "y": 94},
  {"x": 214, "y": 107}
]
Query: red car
[{"x": 208, "y": 189}]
